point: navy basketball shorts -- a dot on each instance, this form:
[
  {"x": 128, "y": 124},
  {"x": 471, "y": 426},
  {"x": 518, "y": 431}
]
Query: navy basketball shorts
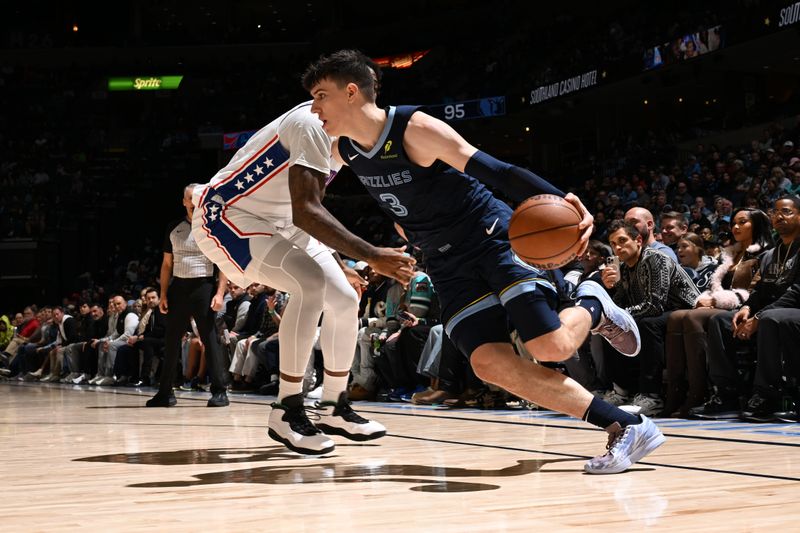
[{"x": 482, "y": 288}]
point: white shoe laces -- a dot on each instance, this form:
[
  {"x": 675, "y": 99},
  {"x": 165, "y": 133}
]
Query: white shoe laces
[{"x": 616, "y": 439}]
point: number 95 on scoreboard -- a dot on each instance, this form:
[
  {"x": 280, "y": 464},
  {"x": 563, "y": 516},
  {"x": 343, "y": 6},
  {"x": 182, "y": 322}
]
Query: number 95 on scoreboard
[{"x": 491, "y": 106}]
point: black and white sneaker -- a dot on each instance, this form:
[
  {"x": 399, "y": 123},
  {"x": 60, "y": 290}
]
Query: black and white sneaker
[
  {"x": 338, "y": 418},
  {"x": 289, "y": 425}
]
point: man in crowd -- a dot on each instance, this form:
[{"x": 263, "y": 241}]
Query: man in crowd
[
  {"x": 673, "y": 227},
  {"x": 643, "y": 220},
  {"x": 648, "y": 285},
  {"x": 778, "y": 270}
]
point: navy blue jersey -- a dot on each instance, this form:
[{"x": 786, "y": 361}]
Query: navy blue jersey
[{"x": 438, "y": 207}]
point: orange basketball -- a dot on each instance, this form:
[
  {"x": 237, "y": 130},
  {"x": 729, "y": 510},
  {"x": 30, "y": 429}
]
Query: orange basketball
[{"x": 544, "y": 231}]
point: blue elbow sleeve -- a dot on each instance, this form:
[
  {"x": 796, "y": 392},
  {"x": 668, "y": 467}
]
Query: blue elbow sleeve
[{"x": 517, "y": 183}]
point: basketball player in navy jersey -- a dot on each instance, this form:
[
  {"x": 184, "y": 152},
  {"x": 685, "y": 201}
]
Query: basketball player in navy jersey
[{"x": 428, "y": 179}]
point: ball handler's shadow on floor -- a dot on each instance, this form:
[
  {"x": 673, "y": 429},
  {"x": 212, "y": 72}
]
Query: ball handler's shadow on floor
[{"x": 425, "y": 478}]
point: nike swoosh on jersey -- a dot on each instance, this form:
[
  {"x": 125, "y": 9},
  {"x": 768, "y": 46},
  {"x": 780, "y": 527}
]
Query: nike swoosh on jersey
[
  {"x": 490, "y": 230},
  {"x": 351, "y": 157}
]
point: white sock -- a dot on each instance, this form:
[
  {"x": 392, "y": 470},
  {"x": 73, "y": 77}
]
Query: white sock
[
  {"x": 333, "y": 386},
  {"x": 289, "y": 388}
]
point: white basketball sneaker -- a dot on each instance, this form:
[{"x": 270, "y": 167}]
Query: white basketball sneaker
[
  {"x": 626, "y": 447},
  {"x": 617, "y": 325},
  {"x": 338, "y": 418},
  {"x": 289, "y": 425}
]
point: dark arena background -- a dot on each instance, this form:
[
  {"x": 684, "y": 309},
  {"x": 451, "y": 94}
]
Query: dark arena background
[{"x": 686, "y": 110}]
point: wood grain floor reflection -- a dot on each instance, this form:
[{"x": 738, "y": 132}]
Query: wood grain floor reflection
[{"x": 77, "y": 457}]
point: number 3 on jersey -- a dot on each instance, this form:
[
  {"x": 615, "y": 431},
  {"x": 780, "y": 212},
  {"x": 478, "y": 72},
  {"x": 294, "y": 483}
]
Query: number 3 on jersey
[{"x": 394, "y": 204}]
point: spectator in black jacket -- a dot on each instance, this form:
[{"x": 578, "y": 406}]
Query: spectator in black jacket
[
  {"x": 149, "y": 340},
  {"x": 95, "y": 329},
  {"x": 72, "y": 352},
  {"x": 778, "y": 271},
  {"x": 649, "y": 285},
  {"x": 255, "y": 314},
  {"x": 236, "y": 309},
  {"x": 232, "y": 320},
  {"x": 779, "y": 324}
]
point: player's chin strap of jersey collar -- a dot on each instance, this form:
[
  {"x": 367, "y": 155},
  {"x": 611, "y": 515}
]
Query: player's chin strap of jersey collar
[{"x": 517, "y": 183}]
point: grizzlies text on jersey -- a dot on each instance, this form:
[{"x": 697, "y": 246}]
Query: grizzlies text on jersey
[{"x": 438, "y": 207}]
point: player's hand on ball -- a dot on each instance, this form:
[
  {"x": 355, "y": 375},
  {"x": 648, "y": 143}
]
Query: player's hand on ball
[
  {"x": 586, "y": 225},
  {"x": 393, "y": 263}
]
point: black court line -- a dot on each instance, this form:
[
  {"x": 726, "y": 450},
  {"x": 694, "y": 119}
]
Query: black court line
[
  {"x": 559, "y": 426},
  {"x": 429, "y": 414},
  {"x": 640, "y": 463},
  {"x": 438, "y": 441}
]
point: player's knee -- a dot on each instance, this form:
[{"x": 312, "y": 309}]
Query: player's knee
[
  {"x": 345, "y": 296},
  {"x": 554, "y": 347},
  {"x": 342, "y": 300},
  {"x": 483, "y": 363}
]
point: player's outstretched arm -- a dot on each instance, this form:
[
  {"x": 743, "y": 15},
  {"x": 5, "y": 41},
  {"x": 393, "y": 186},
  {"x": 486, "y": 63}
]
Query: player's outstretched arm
[
  {"x": 307, "y": 187},
  {"x": 428, "y": 139}
]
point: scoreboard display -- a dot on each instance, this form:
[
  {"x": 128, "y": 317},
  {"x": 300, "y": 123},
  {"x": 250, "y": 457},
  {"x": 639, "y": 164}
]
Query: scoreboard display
[{"x": 492, "y": 106}]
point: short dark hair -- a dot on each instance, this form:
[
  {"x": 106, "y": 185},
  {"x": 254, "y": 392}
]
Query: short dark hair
[
  {"x": 343, "y": 67},
  {"x": 792, "y": 198},
  {"x": 148, "y": 290},
  {"x": 629, "y": 227},
  {"x": 600, "y": 248}
]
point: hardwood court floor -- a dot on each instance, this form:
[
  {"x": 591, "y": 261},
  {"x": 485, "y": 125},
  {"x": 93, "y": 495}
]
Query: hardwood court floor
[{"x": 76, "y": 457}]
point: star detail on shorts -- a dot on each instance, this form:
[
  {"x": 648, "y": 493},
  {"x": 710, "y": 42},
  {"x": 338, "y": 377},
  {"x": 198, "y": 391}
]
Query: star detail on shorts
[
  {"x": 239, "y": 185},
  {"x": 268, "y": 162},
  {"x": 258, "y": 170},
  {"x": 212, "y": 216},
  {"x": 213, "y": 208},
  {"x": 248, "y": 178}
]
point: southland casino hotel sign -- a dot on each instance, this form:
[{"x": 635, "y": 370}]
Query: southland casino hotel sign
[{"x": 566, "y": 86}]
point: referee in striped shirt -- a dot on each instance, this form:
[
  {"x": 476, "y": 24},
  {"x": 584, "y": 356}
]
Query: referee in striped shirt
[{"x": 193, "y": 292}]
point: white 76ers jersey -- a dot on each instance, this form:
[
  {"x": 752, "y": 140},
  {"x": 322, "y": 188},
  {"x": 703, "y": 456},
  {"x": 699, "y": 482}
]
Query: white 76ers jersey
[{"x": 256, "y": 179}]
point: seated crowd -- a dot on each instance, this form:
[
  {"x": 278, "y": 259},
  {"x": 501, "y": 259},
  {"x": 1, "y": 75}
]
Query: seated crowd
[{"x": 704, "y": 257}]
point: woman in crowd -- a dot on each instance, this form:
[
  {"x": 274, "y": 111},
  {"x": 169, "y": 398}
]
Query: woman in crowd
[
  {"x": 726, "y": 288},
  {"x": 692, "y": 256}
]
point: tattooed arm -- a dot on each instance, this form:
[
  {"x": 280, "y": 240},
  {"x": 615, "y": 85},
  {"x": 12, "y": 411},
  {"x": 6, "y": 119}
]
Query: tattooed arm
[{"x": 307, "y": 188}]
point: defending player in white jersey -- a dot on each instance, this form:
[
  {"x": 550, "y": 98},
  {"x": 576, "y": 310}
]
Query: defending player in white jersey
[{"x": 261, "y": 219}]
